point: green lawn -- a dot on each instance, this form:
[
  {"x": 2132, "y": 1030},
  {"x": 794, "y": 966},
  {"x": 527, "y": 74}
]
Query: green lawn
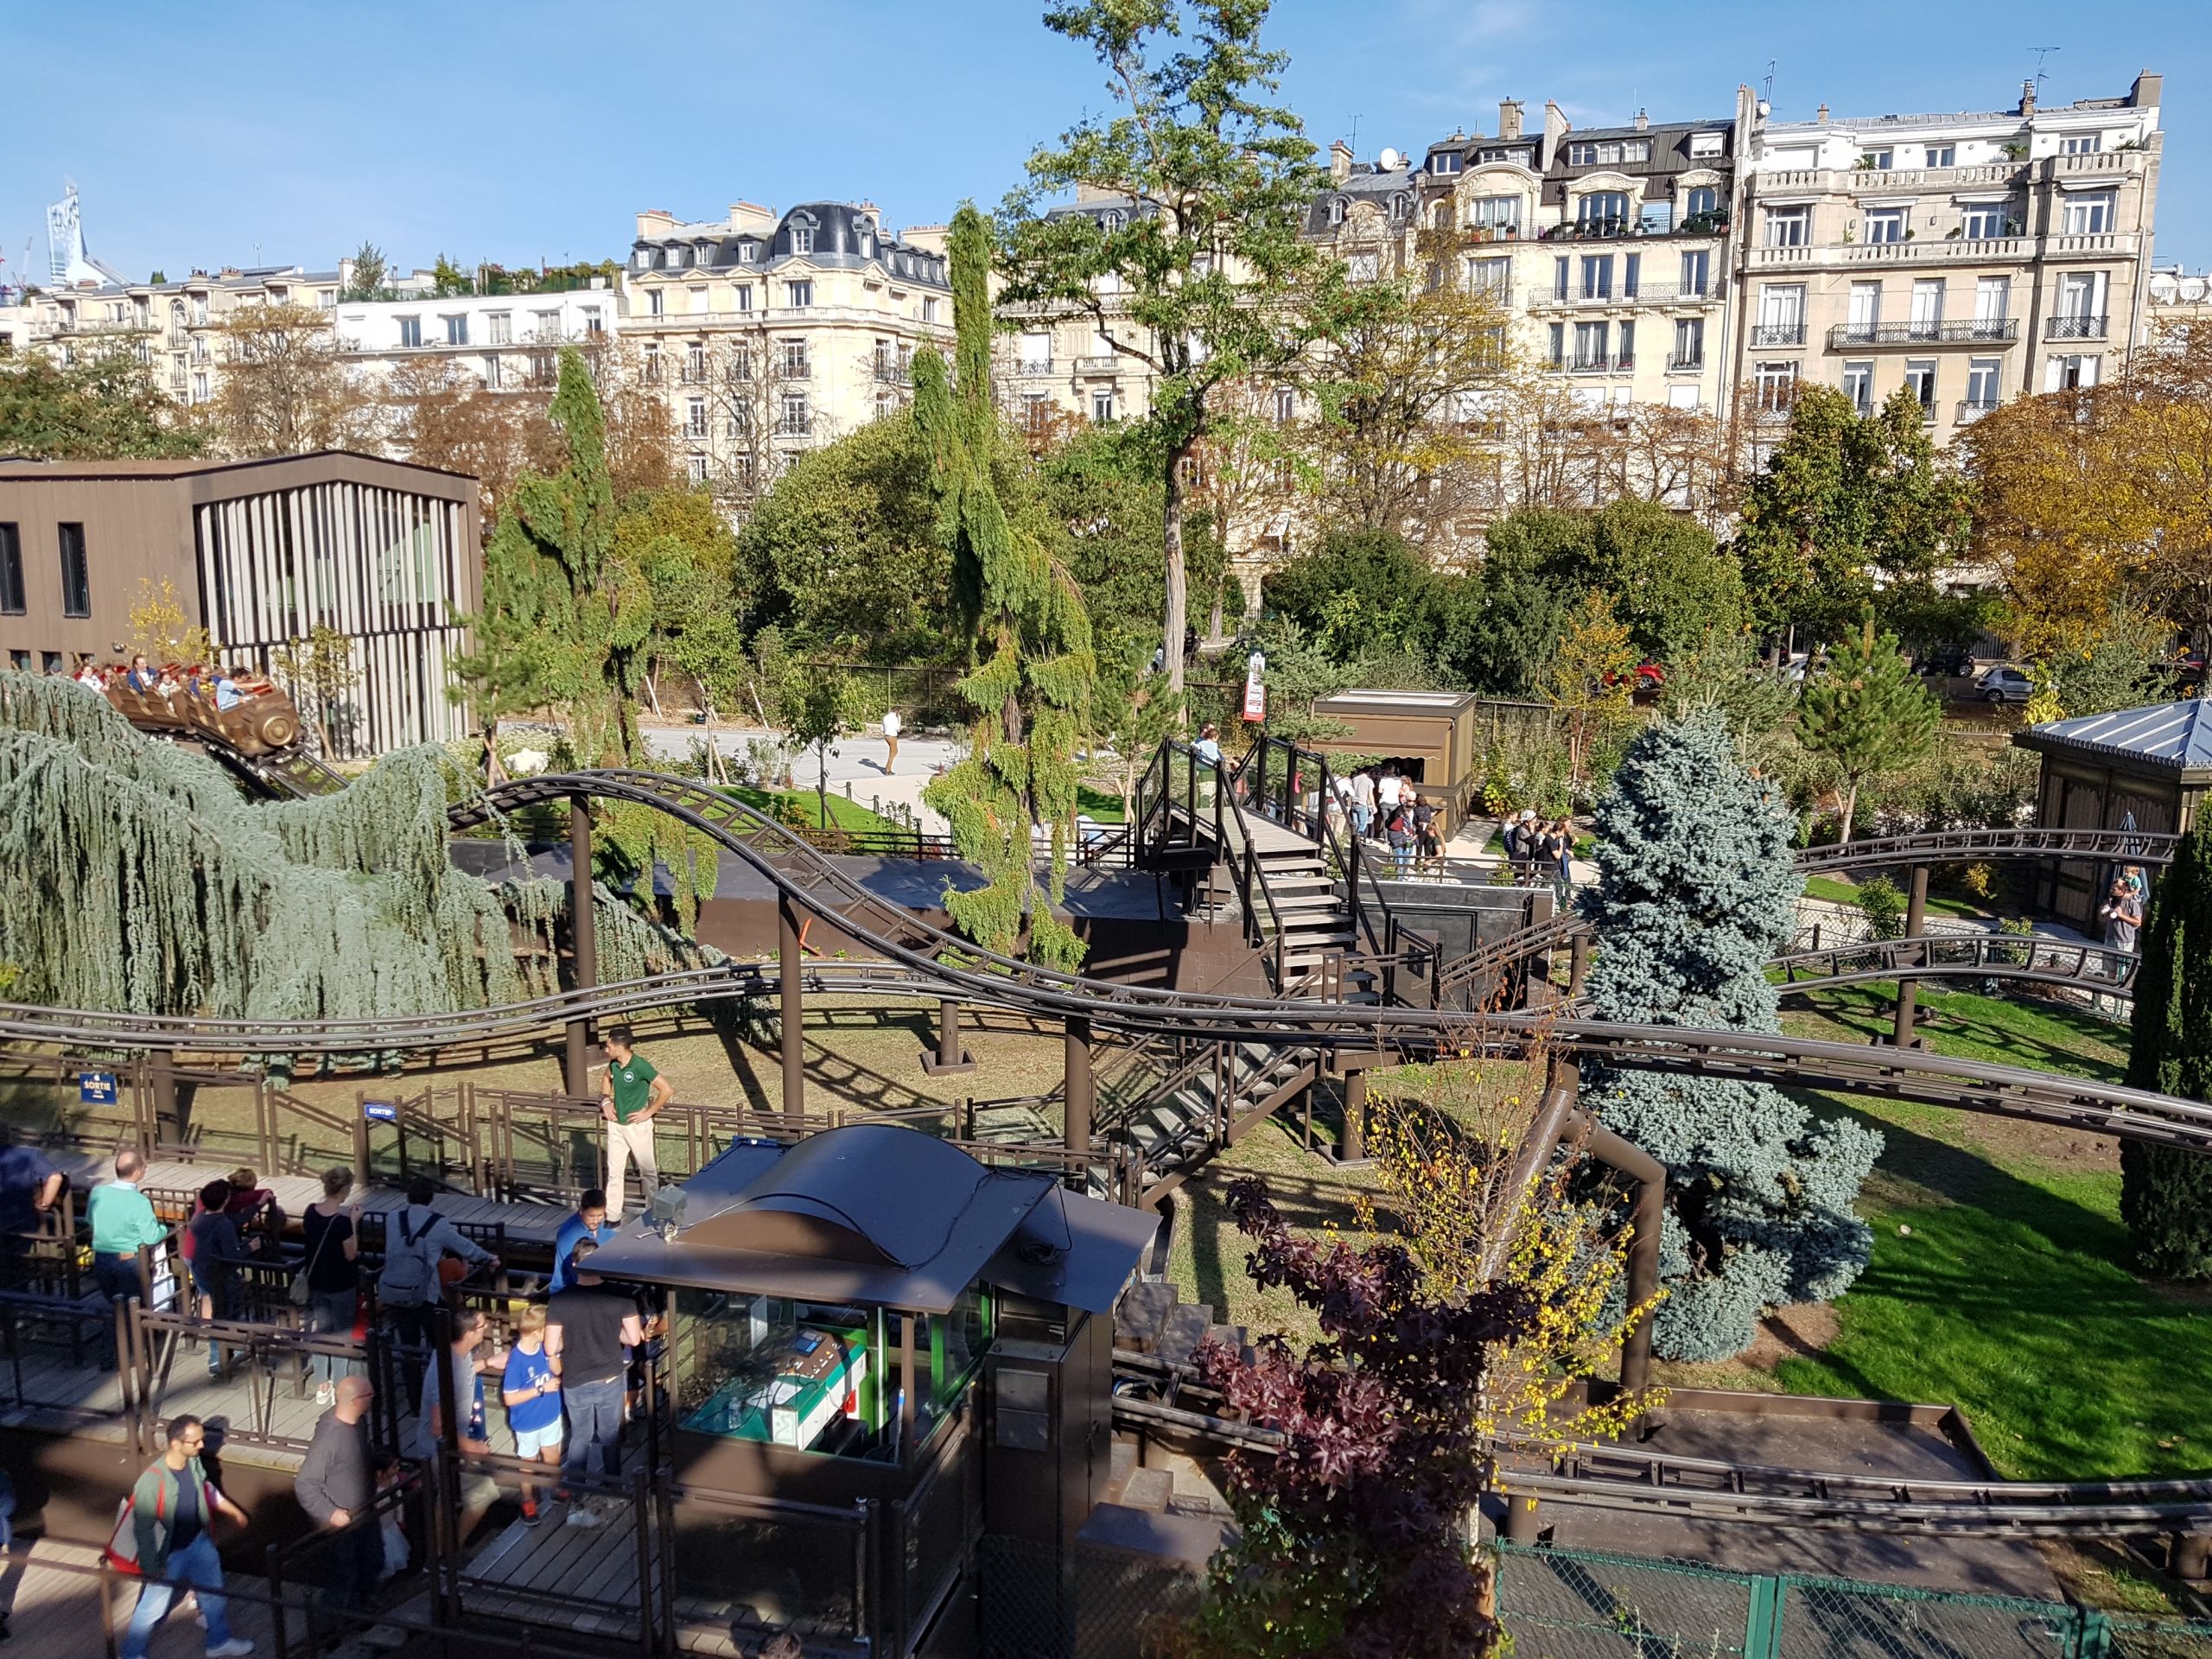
[
  {"x": 2000, "y": 1278},
  {"x": 1837, "y": 891},
  {"x": 1103, "y": 804},
  {"x": 843, "y": 814}
]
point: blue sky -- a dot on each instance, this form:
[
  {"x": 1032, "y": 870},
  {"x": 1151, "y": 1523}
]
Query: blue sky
[{"x": 202, "y": 135}]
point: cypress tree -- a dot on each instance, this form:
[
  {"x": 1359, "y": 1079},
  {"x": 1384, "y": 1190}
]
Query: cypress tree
[
  {"x": 2165, "y": 1194},
  {"x": 1696, "y": 892},
  {"x": 1032, "y": 667},
  {"x": 1869, "y": 713}
]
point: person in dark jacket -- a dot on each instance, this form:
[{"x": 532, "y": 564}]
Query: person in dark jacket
[
  {"x": 217, "y": 1252},
  {"x": 336, "y": 1486},
  {"x": 170, "y": 1541}
]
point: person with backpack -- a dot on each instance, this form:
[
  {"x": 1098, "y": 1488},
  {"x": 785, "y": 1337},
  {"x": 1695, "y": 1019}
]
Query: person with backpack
[
  {"x": 416, "y": 1238},
  {"x": 165, "y": 1537},
  {"x": 216, "y": 1253},
  {"x": 1399, "y": 829}
]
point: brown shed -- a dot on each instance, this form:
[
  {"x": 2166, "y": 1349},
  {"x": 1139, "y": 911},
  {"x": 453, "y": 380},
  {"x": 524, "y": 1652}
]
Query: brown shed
[
  {"x": 259, "y": 552},
  {"x": 1434, "y": 736},
  {"x": 2144, "y": 769}
]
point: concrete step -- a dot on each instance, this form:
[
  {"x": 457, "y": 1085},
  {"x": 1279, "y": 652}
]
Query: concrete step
[
  {"x": 1186, "y": 1327},
  {"x": 1140, "y": 1316}
]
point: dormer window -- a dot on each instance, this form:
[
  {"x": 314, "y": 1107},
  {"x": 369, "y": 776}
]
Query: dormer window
[
  {"x": 747, "y": 252},
  {"x": 675, "y": 259},
  {"x": 1336, "y": 210},
  {"x": 802, "y": 238},
  {"x": 643, "y": 260},
  {"x": 1705, "y": 145},
  {"x": 1111, "y": 221},
  {"x": 868, "y": 246},
  {"x": 1444, "y": 161},
  {"x": 1400, "y": 204}
]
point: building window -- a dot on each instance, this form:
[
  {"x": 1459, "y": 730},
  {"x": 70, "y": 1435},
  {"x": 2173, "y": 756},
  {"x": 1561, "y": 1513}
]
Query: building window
[
  {"x": 1790, "y": 227},
  {"x": 1702, "y": 202},
  {"x": 411, "y": 331},
  {"x": 1885, "y": 224},
  {"x": 1495, "y": 214},
  {"x": 1993, "y": 305},
  {"x": 1102, "y": 407},
  {"x": 1492, "y": 277},
  {"x": 456, "y": 329},
  {"x": 794, "y": 422},
  {"x": 656, "y": 303},
  {"x": 1689, "y": 344},
  {"x": 649, "y": 371},
  {"x": 494, "y": 376},
  {"x": 1597, "y": 276},
  {"x": 1865, "y": 315},
  {"x": 1858, "y": 386},
  {"x": 1920, "y": 381},
  {"x": 1555, "y": 353},
  {"x": 1608, "y": 152},
  {"x": 11, "y": 571},
  {"x": 1111, "y": 221},
  {"x": 546, "y": 369},
  {"x": 1602, "y": 211},
  {"x": 1981, "y": 386},
  {"x": 1624, "y": 356},
  {"x": 2086, "y": 212},
  {"x": 802, "y": 238},
  {"x": 2085, "y": 144},
  {"x": 1942, "y": 155},
  {"x": 2081, "y": 313},
  {"x": 1696, "y": 273},
  {"x": 1444, "y": 161},
  {"x": 593, "y": 326},
  {"x": 794, "y": 360},
  {"x": 928, "y": 310},
  {"x": 1590, "y": 345},
  {"x": 742, "y": 296},
  {"x": 1928, "y": 308},
  {"x": 199, "y": 388},
  {"x": 695, "y": 418},
  {"x": 1982, "y": 221},
  {"x": 327, "y": 298},
  {"x": 696, "y": 467},
  {"x": 1775, "y": 385},
  {"x": 1037, "y": 354},
  {"x": 2071, "y": 373},
  {"x": 76, "y": 572},
  {"x": 1781, "y": 315},
  {"x": 502, "y": 327},
  {"x": 1877, "y": 161},
  {"x": 1705, "y": 145},
  {"x": 1518, "y": 158},
  {"x": 694, "y": 361},
  {"x": 1286, "y": 405},
  {"x": 799, "y": 296}
]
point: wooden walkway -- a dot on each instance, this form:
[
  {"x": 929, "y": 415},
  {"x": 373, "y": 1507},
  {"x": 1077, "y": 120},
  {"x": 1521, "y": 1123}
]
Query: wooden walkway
[
  {"x": 533, "y": 1224},
  {"x": 56, "y": 1611}
]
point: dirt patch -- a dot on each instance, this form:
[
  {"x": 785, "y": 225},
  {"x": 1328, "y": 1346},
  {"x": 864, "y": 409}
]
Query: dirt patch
[{"x": 1799, "y": 1331}]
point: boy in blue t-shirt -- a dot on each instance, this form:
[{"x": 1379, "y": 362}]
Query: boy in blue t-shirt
[{"x": 532, "y": 1396}]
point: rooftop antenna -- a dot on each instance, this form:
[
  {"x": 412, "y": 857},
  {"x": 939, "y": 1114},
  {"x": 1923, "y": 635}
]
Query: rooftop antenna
[
  {"x": 1770, "y": 78},
  {"x": 2043, "y": 52},
  {"x": 1355, "y": 134}
]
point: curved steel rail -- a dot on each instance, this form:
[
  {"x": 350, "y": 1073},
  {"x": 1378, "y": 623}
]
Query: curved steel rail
[
  {"x": 924, "y": 960},
  {"x": 1985, "y": 956}
]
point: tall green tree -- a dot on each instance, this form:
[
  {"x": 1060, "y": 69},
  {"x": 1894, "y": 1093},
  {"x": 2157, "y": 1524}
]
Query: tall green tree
[
  {"x": 1205, "y": 181},
  {"x": 1869, "y": 715},
  {"x": 104, "y": 408},
  {"x": 369, "y": 272},
  {"x": 1846, "y": 498},
  {"x": 2165, "y": 1194},
  {"x": 1033, "y": 671}
]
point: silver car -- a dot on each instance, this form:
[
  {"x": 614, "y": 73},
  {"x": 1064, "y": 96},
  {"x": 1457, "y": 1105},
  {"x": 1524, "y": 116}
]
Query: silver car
[{"x": 2003, "y": 684}]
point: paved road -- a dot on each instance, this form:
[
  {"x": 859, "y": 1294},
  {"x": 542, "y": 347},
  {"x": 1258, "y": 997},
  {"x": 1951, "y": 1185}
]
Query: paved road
[{"x": 857, "y": 761}]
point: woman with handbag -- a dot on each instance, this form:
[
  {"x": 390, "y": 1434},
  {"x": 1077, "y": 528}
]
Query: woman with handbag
[{"x": 327, "y": 1285}]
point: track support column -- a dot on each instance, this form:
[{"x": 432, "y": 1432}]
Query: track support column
[
  {"x": 1077, "y": 1046},
  {"x": 790, "y": 1023},
  {"x": 1352, "y": 1148},
  {"x": 951, "y": 1054},
  {"x": 1916, "y": 922},
  {"x": 582, "y": 941},
  {"x": 1577, "y": 963}
]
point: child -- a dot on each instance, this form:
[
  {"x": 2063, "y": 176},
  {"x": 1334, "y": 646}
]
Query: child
[{"x": 532, "y": 1396}]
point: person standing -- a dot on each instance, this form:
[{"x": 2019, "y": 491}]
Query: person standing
[
  {"x": 1208, "y": 747},
  {"x": 460, "y": 1380},
  {"x": 1560, "y": 847},
  {"x": 217, "y": 1253},
  {"x": 1363, "y": 802},
  {"x": 29, "y": 1188},
  {"x": 589, "y": 1222},
  {"x": 588, "y": 1327},
  {"x": 890, "y": 741},
  {"x": 331, "y": 1231},
  {"x": 1398, "y": 831},
  {"x": 1426, "y": 844},
  {"x": 2124, "y": 909},
  {"x": 166, "y": 1539},
  {"x": 336, "y": 1487},
  {"x": 416, "y": 1240},
  {"x": 630, "y": 1098},
  {"x": 532, "y": 1395},
  {"x": 122, "y": 1222}
]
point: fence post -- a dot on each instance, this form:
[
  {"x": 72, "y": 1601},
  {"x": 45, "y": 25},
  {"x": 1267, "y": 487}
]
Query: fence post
[{"x": 1763, "y": 1627}]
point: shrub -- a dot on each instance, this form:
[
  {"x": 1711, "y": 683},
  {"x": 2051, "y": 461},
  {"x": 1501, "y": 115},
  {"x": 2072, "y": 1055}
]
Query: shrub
[
  {"x": 1883, "y": 906},
  {"x": 2165, "y": 1194}
]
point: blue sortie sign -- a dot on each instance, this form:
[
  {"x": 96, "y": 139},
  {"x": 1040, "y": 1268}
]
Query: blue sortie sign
[
  {"x": 380, "y": 1111},
  {"x": 96, "y": 1087}
]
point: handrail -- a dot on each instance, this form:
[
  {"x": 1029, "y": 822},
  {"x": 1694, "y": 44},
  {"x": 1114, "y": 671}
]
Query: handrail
[{"x": 1382, "y": 939}]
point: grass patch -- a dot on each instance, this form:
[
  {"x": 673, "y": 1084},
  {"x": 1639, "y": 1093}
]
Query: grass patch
[
  {"x": 1105, "y": 805},
  {"x": 2001, "y": 1277},
  {"x": 843, "y": 814},
  {"x": 1837, "y": 890}
]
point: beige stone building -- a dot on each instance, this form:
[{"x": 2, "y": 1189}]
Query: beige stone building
[
  {"x": 1969, "y": 258},
  {"x": 770, "y": 335}
]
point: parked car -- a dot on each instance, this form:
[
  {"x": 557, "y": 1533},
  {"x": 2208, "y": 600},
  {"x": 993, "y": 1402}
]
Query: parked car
[
  {"x": 2003, "y": 684},
  {"x": 1955, "y": 662}
]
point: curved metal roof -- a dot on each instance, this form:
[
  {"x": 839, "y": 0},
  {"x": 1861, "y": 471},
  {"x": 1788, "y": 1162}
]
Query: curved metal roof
[{"x": 2164, "y": 736}]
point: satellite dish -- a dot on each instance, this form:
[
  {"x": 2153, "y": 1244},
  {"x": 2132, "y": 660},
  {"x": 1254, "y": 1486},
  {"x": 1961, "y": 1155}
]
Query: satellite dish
[{"x": 1391, "y": 160}]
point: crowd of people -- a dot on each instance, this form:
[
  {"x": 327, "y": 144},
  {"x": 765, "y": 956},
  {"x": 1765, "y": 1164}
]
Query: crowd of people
[
  {"x": 216, "y": 685},
  {"x": 568, "y": 1378}
]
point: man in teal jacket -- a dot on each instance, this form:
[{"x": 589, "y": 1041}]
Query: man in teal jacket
[
  {"x": 170, "y": 1541},
  {"x": 122, "y": 1219}
]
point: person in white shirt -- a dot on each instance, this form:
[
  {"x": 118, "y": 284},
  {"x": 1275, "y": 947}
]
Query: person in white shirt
[
  {"x": 1387, "y": 790},
  {"x": 890, "y": 739}
]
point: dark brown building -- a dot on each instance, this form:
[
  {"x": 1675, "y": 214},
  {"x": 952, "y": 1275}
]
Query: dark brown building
[
  {"x": 260, "y": 553},
  {"x": 2145, "y": 769}
]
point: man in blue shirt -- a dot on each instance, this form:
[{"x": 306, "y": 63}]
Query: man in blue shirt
[
  {"x": 29, "y": 1186},
  {"x": 589, "y": 1222}
]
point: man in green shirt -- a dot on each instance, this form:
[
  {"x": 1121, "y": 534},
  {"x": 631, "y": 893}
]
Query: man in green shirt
[
  {"x": 629, "y": 1100},
  {"x": 123, "y": 1220}
]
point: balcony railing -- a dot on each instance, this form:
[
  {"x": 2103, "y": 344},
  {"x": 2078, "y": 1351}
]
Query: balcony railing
[
  {"x": 891, "y": 373},
  {"x": 1034, "y": 367},
  {"x": 1686, "y": 364},
  {"x": 1778, "y": 334},
  {"x": 1110, "y": 363},
  {"x": 1980, "y": 331},
  {"x": 2077, "y": 328},
  {"x": 1599, "y": 364},
  {"x": 1956, "y": 250},
  {"x": 1606, "y": 230},
  {"x": 1972, "y": 409},
  {"x": 1642, "y": 294}
]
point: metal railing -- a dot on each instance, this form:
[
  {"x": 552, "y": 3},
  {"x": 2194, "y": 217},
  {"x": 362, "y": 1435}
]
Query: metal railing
[
  {"x": 1778, "y": 334},
  {"x": 1971, "y": 409},
  {"x": 2077, "y": 328},
  {"x": 1994, "y": 331}
]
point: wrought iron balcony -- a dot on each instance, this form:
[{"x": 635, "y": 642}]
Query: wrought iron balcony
[
  {"x": 1778, "y": 334},
  {"x": 1597, "y": 365},
  {"x": 1971, "y": 409},
  {"x": 1980, "y": 331},
  {"x": 2077, "y": 328},
  {"x": 1695, "y": 361}
]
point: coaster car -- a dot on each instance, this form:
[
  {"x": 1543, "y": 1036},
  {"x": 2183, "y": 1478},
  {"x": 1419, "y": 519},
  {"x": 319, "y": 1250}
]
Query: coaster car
[{"x": 260, "y": 721}]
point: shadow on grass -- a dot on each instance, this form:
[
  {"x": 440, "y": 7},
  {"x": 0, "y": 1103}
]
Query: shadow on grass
[{"x": 2043, "y": 1037}]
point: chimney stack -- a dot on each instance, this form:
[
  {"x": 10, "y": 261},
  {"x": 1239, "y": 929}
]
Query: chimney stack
[
  {"x": 1509, "y": 117},
  {"x": 1339, "y": 161},
  {"x": 1820, "y": 115},
  {"x": 1642, "y": 122},
  {"x": 2028, "y": 96}
]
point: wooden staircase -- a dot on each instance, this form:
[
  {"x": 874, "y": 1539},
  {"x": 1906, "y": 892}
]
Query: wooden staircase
[{"x": 1210, "y": 1101}]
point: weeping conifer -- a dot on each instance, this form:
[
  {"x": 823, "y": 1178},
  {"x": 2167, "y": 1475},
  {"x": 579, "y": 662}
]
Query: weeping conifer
[
  {"x": 2165, "y": 1193},
  {"x": 138, "y": 880},
  {"x": 1032, "y": 669}
]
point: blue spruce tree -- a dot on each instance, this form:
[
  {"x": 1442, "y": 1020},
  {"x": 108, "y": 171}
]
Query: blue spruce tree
[{"x": 1696, "y": 893}]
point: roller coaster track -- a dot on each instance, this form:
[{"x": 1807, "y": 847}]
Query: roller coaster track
[
  {"x": 1460, "y": 977},
  {"x": 1961, "y": 955},
  {"x": 920, "y": 960}
]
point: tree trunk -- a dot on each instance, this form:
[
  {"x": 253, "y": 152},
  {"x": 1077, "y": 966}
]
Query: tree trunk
[
  {"x": 1172, "y": 654},
  {"x": 1850, "y": 808}
]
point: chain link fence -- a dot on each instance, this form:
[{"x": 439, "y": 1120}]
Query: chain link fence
[{"x": 1565, "y": 1604}]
